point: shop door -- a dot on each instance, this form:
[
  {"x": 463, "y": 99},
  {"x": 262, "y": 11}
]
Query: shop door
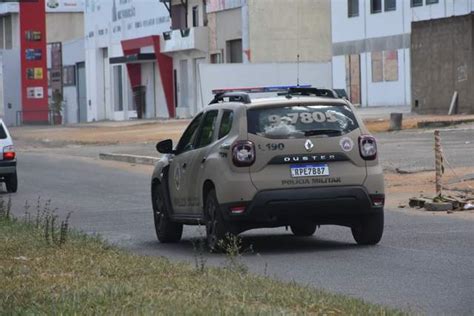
[
  {"x": 148, "y": 81},
  {"x": 81, "y": 93},
  {"x": 183, "y": 83}
]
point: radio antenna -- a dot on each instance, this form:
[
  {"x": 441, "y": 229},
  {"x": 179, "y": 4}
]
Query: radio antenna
[
  {"x": 298, "y": 70},
  {"x": 297, "y": 44}
]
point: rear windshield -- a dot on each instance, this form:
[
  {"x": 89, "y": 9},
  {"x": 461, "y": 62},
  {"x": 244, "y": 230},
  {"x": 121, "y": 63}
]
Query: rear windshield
[{"x": 299, "y": 121}]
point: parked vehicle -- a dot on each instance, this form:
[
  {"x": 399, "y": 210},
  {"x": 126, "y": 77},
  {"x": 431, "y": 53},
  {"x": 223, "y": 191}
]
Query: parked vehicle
[
  {"x": 301, "y": 159},
  {"x": 7, "y": 160}
]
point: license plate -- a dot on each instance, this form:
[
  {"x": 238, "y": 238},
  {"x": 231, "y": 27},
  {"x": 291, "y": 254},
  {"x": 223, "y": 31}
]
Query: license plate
[{"x": 309, "y": 170}]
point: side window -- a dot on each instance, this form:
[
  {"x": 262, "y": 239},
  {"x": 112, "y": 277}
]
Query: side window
[
  {"x": 3, "y": 133},
  {"x": 226, "y": 123},
  {"x": 187, "y": 140},
  {"x": 207, "y": 130}
]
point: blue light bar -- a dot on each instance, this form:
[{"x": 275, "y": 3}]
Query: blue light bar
[{"x": 259, "y": 89}]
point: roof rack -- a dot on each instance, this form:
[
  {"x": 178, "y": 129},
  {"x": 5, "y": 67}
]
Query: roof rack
[
  {"x": 241, "y": 97},
  {"x": 242, "y": 94},
  {"x": 302, "y": 91}
]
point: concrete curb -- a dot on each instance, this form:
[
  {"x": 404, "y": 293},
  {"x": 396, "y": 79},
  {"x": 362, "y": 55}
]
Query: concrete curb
[
  {"x": 435, "y": 124},
  {"x": 140, "y": 160}
]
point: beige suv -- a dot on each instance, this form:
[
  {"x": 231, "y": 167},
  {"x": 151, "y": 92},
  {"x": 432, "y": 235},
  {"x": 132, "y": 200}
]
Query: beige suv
[{"x": 301, "y": 159}]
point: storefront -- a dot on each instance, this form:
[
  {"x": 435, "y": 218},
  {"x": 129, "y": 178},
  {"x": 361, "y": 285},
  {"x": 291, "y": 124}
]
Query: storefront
[{"x": 127, "y": 75}]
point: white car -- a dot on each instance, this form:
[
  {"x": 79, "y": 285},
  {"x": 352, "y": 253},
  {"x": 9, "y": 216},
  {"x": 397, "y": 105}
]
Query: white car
[{"x": 7, "y": 159}]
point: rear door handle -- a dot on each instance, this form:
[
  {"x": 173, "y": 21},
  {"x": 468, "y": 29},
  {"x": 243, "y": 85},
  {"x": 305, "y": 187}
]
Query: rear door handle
[
  {"x": 184, "y": 165},
  {"x": 203, "y": 159}
]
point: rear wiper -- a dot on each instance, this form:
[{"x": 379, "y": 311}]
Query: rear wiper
[{"x": 313, "y": 132}]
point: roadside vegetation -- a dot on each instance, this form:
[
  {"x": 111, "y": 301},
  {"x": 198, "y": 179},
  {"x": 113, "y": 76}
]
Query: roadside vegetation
[{"x": 47, "y": 269}]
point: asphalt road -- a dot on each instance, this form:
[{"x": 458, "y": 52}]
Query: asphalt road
[
  {"x": 410, "y": 150},
  {"x": 414, "y": 149},
  {"x": 424, "y": 263}
]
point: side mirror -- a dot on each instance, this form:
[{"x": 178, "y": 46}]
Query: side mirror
[{"x": 165, "y": 147}]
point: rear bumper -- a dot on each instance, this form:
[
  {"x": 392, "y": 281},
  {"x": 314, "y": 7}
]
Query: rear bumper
[
  {"x": 328, "y": 205},
  {"x": 7, "y": 167}
]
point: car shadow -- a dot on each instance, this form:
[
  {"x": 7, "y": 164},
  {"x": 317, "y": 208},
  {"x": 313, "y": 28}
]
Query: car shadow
[
  {"x": 289, "y": 244},
  {"x": 257, "y": 245}
]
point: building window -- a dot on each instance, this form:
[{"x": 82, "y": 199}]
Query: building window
[
  {"x": 416, "y": 3},
  {"x": 118, "y": 88},
  {"x": 390, "y": 65},
  {"x": 377, "y": 67},
  {"x": 353, "y": 82},
  {"x": 195, "y": 16},
  {"x": 178, "y": 20},
  {"x": 385, "y": 66},
  {"x": 216, "y": 58},
  {"x": 432, "y": 1},
  {"x": 352, "y": 8},
  {"x": 69, "y": 76},
  {"x": 234, "y": 51},
  {"x": 204, "y": 13},
  {"x": 2, "y": 46},
  {"x": 8, "y": 32},
  {"x": 390, "y": 5},
  {"x": 375, "y": 6}
]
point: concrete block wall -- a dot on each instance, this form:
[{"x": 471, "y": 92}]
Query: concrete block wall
[{"x": 442, "y": 61}]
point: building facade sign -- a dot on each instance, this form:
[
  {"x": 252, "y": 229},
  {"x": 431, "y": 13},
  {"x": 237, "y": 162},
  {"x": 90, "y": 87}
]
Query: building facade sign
[
  {"x": 64, "y": 5},
  {"x": 33, "y": 61},
  {"x": 117, "y": 20}
]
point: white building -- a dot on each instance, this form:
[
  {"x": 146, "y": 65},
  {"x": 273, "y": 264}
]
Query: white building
[
  {"x": 371, "y": 45},
  {"x": 123, "y": 52},
  {"x": 163, "y": 48}
]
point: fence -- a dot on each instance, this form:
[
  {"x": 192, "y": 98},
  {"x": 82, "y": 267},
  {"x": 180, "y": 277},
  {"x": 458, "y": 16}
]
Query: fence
[
  {"x": 454, "y": 162},
  {"x": 39, "y": 117}
]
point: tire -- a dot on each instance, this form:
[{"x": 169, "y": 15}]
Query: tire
[
  {"x": 167, "y": 231},
  {"x": 216, "y": 227},
  {"x": 303, "y": 229},
  {"x": 11, "y": 182},
  {"x": 369, "y": 231}
]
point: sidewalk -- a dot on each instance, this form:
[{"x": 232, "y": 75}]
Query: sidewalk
[
  {"x": 102, "y": 133},
  {"x": 383, "y": 112},
  {"x": 377, "y": 119}
]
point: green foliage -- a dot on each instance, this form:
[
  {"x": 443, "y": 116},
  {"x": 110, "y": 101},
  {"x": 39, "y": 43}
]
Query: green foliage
[
  {"x": 5, "y": 209},
  {"x": 56, "y": 101}
]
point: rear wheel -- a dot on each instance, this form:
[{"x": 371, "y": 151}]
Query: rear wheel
[
  {"x": 369, "y": 230},
  {"x": 167, "y": 231},
  {"x": 303, "y": 229},
  {"x": 216, "y": 228},
  {"x": 11, "y": 182}
]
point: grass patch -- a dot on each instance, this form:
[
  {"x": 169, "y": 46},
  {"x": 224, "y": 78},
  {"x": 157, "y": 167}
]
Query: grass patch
[{"x": 87, "y": 276}]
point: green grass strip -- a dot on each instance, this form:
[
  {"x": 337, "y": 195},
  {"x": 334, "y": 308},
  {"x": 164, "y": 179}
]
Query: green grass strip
[{"x": 86, "y": 276}]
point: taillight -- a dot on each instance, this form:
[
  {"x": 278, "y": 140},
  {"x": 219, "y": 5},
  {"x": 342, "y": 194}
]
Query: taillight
[
  {"x": 243, "y": 153},
  {"x": 9, "y": 153},
  {"x": 378, "y": 200},
  {"x": 237, "y": 210},
  {"x": 367, "y": 147}
]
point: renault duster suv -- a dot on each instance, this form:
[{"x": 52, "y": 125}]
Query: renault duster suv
[{"x": 301, "y": 159}]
